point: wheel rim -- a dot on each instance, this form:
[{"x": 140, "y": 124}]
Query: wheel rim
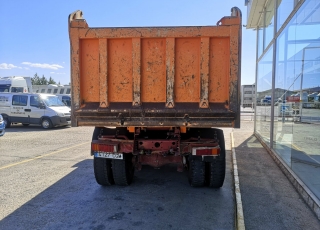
[
  {"x": 45, "y": 124},
  {"x": 5, "y": 121}
]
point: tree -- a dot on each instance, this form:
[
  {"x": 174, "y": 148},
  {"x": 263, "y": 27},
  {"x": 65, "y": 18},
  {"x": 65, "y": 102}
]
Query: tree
[
  {"x": 51, "y": 81},
  {"x": 43, "y": 80},
  {"x": 35, "y": 80}
]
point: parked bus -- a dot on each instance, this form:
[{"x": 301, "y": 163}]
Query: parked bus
[
  {"x": 62, "y": 91},
  {"x": 52, "y": 89}
]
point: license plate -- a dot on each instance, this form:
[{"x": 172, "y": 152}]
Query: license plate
[{"x": 109, "y": 155}]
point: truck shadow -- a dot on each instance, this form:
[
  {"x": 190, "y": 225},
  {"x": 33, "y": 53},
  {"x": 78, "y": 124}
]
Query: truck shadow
[{"x": 157, "y": 199}]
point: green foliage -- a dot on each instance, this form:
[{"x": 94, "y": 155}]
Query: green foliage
[
  {"x": 51, "y": 81},
  {"x": 36, "y": 80}
]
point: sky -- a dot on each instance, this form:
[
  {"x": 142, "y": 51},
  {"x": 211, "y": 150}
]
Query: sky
[{"x": 34, "y": 34}]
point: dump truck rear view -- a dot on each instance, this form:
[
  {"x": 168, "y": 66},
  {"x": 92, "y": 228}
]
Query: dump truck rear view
[{"x": 157, "y": 96}]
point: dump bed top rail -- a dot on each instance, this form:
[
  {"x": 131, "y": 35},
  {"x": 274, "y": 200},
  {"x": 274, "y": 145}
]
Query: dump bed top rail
[{"x": 156, "y": 76}]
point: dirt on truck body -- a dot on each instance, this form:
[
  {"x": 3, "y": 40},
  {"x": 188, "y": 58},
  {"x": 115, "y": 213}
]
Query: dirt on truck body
[{"x": 156, "y": 96}]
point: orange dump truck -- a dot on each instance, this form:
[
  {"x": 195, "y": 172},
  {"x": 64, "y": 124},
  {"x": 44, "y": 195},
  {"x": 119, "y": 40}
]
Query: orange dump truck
[{"x": 156, "y": 96}]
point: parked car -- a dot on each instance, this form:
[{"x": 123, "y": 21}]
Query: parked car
[{"x": 2, "y": 126}]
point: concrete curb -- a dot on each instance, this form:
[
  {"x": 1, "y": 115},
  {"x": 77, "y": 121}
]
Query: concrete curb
[
  {"x": 312, "y": 201},
  {"x": 239, "y": 213}
]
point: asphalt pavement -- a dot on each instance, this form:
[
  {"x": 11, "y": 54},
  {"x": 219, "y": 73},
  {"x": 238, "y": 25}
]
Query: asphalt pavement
[{"x": 269, "y": 199}]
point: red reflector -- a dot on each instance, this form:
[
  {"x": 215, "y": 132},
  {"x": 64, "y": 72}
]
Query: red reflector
[
  {"x": 103, "y": 148},
  {"x": 202, "y": 152}
]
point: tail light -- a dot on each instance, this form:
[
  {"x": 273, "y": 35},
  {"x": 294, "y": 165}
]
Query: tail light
[
  {"x": 205, "y": 151},
  {"x": 104, "y": 148}
]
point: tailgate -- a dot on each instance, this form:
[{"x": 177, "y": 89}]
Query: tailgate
[{"x": 156, "y": 76}]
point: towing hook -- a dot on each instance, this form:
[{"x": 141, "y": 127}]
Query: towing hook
[
  {"x": 121, "y": 118},
  {"x": 187, "y": 118}
]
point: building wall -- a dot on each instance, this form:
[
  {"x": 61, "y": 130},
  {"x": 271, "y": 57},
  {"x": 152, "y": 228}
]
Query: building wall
[
  {"x": 247, "y": 95},
  {"x": 288, "y": 48}
]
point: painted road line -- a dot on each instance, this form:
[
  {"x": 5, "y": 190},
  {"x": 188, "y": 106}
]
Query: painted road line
[
  {"x": 239, "y": 214},
  {"x": 38, "y": 157}
]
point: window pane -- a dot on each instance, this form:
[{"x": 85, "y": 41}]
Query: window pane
[
  {"x": 19, "y": 100},
  {"x": 264, "y": 90},
  {"x": 297, "y": 86},
  {"x": 284, "y": 10},
  {"x": 260, "y": 41},
  {"x": 34, "y": 101}
]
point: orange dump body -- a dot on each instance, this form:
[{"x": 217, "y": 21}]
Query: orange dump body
[{"x": 156, "y": 76}]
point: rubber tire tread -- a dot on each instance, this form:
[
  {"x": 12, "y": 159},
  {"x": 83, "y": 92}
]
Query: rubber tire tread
[
  {"x": 103, "y": 171},
  {"x": 123, "y": 170},
  {"x": 102, "y": 167},
  {"x": 8, "y": 123},
  {"x": 216, "y": 170},
  {"x": 196, "y": 173},
  {"x": 50, "y": 123}
]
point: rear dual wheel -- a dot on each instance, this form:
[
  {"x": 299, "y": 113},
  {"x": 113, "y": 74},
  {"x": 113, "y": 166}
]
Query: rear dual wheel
[
  {"x": 196, "y": 172},
  {"x": 215, "y": 172},
  {"x": 123, "y": 170},
  {"x": 112, "y": 171},
  {"x": 216, "y": 169},
  {"x": 211, "y": 173},
  {"x": 103, "y": 171},
  {"x": 108, "y": 172}
]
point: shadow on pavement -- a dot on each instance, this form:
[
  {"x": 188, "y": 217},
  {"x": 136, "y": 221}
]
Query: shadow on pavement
[
  {"x": 157, "y": 199},
  {"x": 32, "y": 128}
]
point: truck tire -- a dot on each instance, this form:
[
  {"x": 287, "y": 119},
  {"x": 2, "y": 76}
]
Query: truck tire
[
  {"x": 216, "y": 170},
  {"x": 196, "y": 172},
  {"x": 103, "y": 171},
  {"x": 102, "y": 167},
  {"x": 46, "y": 123},
  {"x": 123, "y": 170}
]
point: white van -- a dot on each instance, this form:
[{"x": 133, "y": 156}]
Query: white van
[
  {"x": 65, "y": 98},
  {"x": 33, "y": 108},
  {"x": 15, "y": 84}
]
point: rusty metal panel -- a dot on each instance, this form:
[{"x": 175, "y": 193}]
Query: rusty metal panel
[
  {"x": 155, "y": 32},
  {"x": 103, "y": 66},
  {"x": 153, "y": 70},
  {"x": 187, "y": 70},
  {"x": 235, "y": 70},
  {"x": 219, "y": 69},
  {"x": 120, "y": 67},
  {"x": 89, "y": 70},
  {"x": 204, "y": 73},
  {"x": 136, "y": 73},
  {"x": 170, "y": 71},
  {"x": 156, "y": 76}
]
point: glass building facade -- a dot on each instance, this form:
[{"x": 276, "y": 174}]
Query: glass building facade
[{"x": 287, "y": 111}]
